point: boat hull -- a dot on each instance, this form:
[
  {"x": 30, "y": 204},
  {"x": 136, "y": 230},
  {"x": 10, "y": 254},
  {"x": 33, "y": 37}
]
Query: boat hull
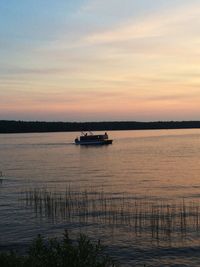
[{"x": 93, "y": 143}]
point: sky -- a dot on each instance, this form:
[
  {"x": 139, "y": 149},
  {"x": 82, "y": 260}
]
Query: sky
[{"x": 100, "y": 60}]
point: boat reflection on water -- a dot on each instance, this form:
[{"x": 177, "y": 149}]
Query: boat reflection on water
[{"x": 93, "y": 139}]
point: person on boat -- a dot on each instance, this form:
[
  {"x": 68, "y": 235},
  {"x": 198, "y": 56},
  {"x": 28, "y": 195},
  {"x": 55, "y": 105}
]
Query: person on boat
[{"x": 106, "y": 135}]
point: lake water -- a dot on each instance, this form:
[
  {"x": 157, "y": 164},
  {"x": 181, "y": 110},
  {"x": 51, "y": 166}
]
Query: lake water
[{"x": 138, "y": 169}]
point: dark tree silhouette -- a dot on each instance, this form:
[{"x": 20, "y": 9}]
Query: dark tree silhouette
[{"x": 41, "y": 126}]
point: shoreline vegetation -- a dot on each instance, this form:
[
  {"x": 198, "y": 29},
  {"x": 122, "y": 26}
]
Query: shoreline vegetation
[
  {"x": 160, "y": 219},
  {"x": 63, "y": 253},
  {"x": 13, "y": 126}
]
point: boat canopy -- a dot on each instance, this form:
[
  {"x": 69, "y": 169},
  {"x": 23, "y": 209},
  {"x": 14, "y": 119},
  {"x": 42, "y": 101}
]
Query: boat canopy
[{"x": 93, "y": 137}]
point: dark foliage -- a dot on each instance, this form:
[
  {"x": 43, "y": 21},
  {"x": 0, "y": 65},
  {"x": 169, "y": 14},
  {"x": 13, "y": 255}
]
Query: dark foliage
[
  {"x": 55, "y": 253},
  {"x": 39, "y": 126}
]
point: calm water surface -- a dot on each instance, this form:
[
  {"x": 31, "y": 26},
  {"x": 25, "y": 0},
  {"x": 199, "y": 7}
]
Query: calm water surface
[{"x": 162, "y": 165}]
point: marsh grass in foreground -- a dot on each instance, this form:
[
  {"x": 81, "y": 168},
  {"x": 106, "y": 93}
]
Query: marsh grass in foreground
[
  {"x": 1, "y": 177},
  {"x": 158, "y": 218},
  {"x": 64, "y": 253}
]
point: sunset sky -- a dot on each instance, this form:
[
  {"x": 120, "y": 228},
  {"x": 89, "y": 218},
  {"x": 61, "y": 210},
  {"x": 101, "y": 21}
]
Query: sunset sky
[{"x": 100, "y": 60}]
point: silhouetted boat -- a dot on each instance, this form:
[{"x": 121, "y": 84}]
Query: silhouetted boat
[{"x": 93, "y": 139}]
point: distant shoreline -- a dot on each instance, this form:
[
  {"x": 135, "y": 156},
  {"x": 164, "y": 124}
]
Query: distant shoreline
[{"x": 12, "y": 126}]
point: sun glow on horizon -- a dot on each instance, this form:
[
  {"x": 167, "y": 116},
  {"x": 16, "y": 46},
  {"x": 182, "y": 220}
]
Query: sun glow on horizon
[{"x": 100, "y": 60}]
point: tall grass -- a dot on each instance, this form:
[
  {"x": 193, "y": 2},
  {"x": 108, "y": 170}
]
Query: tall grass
[
  {"x": 159, "y": 218},
  {"x": 1, "y": 177}
]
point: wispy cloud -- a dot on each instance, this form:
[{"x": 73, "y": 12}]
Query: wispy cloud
[
  {"x": 105, "y": 58},
  {"x": 165, "y": 22}
]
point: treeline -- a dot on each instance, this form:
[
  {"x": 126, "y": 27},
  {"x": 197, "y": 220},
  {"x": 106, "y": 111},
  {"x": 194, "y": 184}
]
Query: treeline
[{"x": 41, "y": 126}]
